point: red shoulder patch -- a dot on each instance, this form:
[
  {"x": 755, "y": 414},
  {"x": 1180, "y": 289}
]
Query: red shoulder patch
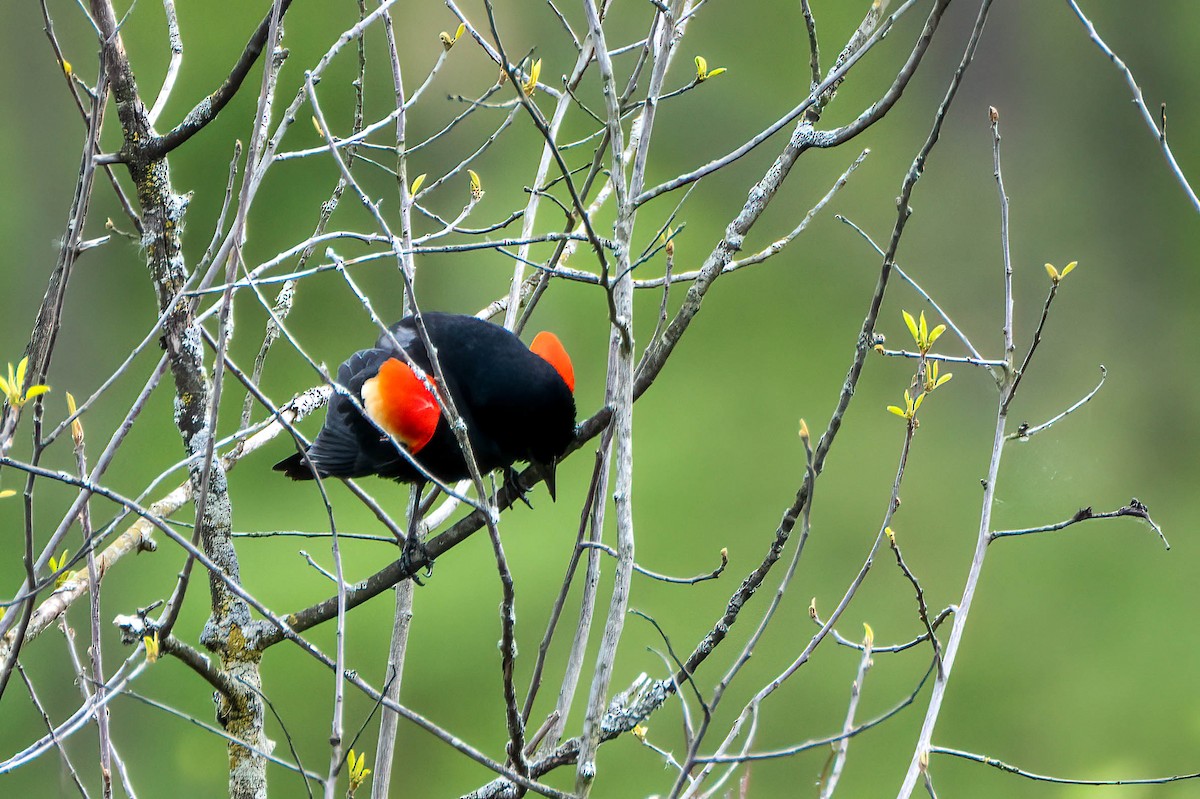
[
  {"x": 547, "y": 345},
  {"x": 399, "y": 402}
]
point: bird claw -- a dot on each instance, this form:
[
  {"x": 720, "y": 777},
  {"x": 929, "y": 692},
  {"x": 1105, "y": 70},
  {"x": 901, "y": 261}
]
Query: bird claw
[
  {"x": 512, "y": 482},
  {"x": 413, "y": 552}
]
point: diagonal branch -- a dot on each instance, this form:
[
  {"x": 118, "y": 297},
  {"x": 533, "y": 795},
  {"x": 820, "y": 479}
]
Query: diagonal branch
[
  {"x": 207, "y": 109},
  {"x": 1160, "y": 133}
]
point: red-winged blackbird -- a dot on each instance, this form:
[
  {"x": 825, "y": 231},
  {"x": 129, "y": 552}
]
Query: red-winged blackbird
[{"x": 517, "y": 404}]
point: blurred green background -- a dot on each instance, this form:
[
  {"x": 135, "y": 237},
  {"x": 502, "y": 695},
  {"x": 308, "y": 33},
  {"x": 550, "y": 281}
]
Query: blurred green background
[{"x": 1081, "y": 652}]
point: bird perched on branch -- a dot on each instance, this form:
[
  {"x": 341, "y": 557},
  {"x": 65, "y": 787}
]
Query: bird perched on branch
[{"x": 517, "y": 403}]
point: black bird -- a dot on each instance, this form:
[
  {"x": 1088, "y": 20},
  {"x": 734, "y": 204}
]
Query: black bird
[{"x": 517, "y": 403}]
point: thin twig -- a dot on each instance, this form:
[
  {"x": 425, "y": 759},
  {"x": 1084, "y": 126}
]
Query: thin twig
[
  {"x": 920, "y": 751},
  {"x": 814, "y": 49},
  {"x": 751, "y": 708},
  {"x": 933, "y": 356},
  {"x": 1020, "y": 772},
  {"x": 207, "y": 109},
  {"x": 219, "y": 733},
  {"x": 841, "y": 748},
  {"x": 73, "y": 83},
  {"x": 922, "y": 608},
  {"x": 1009, "y": 345},
  {"x": 796, "y": 749},
  {"x": 900, "y": 273},
  {"x": 768, "y": 615},
  {"x": 543, "y": 127},
  {"x": 591, "y": 520},
  {"x": 699, "y": 578},
  {"x": 1025, "y": 430},
  {"x": 775, "y": 247},
  {"x": 62, "y": 750},
  {"x": 781, "y": 123},
  {"x": 115, "y": 686},
  {"x": 393, "y": 679},
  {"x": 95, "y": 650},
  {"x": 890, "y": 648},
  {"x": 1160, "y": 134},
  {"x": 619, "y": 394},
  {"x": 1033, "y": 345},
  {"x": 176, "y": 42},
  {"x": 582, "y": 62},
  {"x": 1134, "y": 508},
  {"x": 535, "y": 681}
]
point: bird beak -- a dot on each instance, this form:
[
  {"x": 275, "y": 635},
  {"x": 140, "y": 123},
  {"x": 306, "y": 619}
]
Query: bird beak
[{"x": 546, "y": 472}]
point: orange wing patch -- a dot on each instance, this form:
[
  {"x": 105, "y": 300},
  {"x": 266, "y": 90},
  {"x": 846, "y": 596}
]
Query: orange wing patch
[
  {"x": 398, "y": 401},
  {"x": 547, "y": 345}
]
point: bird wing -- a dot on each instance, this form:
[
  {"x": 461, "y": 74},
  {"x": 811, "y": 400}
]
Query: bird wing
[{"x": 339, "y": 447}]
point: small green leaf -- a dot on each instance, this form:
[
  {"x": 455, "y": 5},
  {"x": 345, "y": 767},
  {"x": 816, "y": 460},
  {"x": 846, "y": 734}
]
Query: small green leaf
[
  {"x": 935, "y": 333},
  {"x": 535, "y": 72},
  {"x": 912, "y": 326}
]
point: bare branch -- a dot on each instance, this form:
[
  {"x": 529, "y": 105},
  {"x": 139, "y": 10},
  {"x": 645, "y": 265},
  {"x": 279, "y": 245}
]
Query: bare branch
[
  {"x": 176, "y": 41},
  {"x": 842, "y": 747},
  {"x": 1135, "y": 509},
  {"x": 1160, "y": 133},
  {"x": 1025, "y": 431},
  {"x": 207, "y": 109},
  {"x": 1029, "y": 775}
]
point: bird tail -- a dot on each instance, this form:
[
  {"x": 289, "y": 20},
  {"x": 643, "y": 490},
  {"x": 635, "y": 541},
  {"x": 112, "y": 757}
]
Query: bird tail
[{"x": 295, "y": 466}]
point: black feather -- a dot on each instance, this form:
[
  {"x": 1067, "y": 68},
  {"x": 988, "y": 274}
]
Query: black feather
[{"x": 515, "y": 405}]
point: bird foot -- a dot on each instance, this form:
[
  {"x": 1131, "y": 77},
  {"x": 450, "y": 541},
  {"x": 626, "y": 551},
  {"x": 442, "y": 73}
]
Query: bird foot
[
  {"x": 512, "y": 482},
  {"x": 413, "y": 554}
]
